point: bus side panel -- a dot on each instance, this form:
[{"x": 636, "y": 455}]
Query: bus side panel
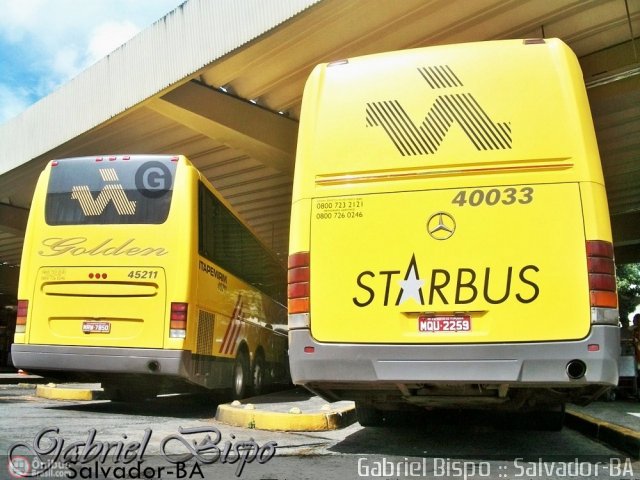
[
  {"x": 233, "y": 317},
  {"x": 229, "y": 301}
]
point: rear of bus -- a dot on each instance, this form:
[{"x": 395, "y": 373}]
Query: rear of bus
[
  {"x": 105, "y": 276},
  {"x": 450, "y": 240}
]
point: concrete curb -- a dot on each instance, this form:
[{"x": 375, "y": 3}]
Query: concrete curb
[
  {"x": 619, "y": 437},
  {"x": 248, "y": 416},
  {"x": 53, "y": 392}
]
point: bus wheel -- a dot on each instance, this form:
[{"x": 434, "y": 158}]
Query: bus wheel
[
  {"x": 368, "y": 416},
  {"x": 240, "y": 375},
  {"x": 257, "y": 376}
]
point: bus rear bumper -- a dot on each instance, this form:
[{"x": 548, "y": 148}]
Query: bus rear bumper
[
  {"x": 53, "y": 358},
  {"x": 334, "y": 365}
]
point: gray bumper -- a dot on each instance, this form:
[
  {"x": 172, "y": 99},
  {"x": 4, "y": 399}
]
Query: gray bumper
[
  {"x": 50, "y": 358},
  {"x": 536, "y": 364}
]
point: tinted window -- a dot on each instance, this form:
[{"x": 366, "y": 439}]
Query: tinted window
[
  {"x": 225, "y": 241},
  {"x": 87, "y": 192}
]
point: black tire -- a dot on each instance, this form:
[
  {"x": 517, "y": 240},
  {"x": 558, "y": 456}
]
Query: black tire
[
  {"x": 241, "y": 376},
  {"x": 258, "y": 374},
  {"x": 368, "y": 416}
]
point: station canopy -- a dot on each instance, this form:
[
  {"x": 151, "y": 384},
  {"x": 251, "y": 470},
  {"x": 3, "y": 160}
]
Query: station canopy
[{"x": 222, "y": 82}]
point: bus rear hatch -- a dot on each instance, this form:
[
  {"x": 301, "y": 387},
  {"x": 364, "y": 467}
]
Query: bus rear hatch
[
  {"x": 85, "y": 306},
  {"x": 461, "y": 265}
]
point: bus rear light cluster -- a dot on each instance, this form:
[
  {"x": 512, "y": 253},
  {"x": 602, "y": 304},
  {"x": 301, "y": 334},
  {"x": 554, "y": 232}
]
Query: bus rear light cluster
[
  {"x": 602, "y": 283},
  {"x": 21, "y": 320},
  {"x": 298, "y": 290},
  {"x": 178, "y": 319},
  {"x": 98, "y": 276},
  {"x": 602, "y": 274}
]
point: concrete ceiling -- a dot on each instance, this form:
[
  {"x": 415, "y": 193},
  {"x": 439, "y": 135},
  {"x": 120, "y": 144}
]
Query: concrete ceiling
[{"x": 236, "y": 118}]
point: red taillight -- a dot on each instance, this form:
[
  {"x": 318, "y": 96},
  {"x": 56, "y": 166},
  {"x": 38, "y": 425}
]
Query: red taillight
[
  {"x": 298, "y": 282},
  {"x": 21, "y": 320},
  {"x": 300, "y": 259},
  {"x": 599, "y": 281},
  {"x": 179, "y": 312},
  {"x": 298, "y": 275},
  {"x": 178, "y": 319},
  {"x": 601, "y": 265},
  {"x": 23, "y": 310},
  {"x": 599, "y": 248},
  {"x": 297, "y": 290},
  {"x": 602, "y": 277}
]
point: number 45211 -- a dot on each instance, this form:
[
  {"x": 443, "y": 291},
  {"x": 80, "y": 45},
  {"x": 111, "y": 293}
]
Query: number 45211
[{"x": 143, "y": 274}]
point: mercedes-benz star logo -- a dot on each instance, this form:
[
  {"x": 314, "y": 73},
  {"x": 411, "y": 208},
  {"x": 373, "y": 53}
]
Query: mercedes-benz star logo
[{"x": 441, "y": 226}]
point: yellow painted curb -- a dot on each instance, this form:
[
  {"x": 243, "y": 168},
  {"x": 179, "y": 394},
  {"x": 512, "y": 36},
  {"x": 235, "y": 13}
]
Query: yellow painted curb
[
  {"x": 604, "y": 424},
  {"x": 59, "y": 393},
  {"x": 614, "y": 435},
  {"x": 241, "y": 416}
]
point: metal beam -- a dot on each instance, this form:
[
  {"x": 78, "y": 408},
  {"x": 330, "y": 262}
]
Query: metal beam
[{"x": 267, "y": 137}]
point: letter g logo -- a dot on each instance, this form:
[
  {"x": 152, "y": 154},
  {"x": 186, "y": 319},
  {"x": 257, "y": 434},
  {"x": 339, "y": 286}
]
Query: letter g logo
[{"x": 153, "y": 179}]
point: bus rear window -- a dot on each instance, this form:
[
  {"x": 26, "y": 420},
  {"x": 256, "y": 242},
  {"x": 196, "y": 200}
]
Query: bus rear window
[{"x": 86, "y": 191}]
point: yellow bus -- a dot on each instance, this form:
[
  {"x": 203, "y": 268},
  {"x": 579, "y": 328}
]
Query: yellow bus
[
  {"x": 450, "y": 240},
  {"x": 136, "y": 273}
]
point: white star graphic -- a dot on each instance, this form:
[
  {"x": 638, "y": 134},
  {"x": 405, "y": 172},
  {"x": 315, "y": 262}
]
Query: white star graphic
[{"x": 411, "y": 286}]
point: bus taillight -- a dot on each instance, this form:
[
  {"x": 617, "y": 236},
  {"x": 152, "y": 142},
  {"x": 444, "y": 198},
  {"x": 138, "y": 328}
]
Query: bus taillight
[
  {"x": 178, "y": 318},
  {"x": 298, "y": 290},
  {"x": 602, "y": 282},
  {"x": 21, "y": 320}
]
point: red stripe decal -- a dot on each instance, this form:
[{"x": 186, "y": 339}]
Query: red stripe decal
[{"x": 231, "y": 328}]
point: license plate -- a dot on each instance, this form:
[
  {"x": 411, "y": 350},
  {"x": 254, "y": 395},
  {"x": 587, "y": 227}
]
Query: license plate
[
  {"x": 444, "y": 324},
  {"x": 96, "y": 327}
]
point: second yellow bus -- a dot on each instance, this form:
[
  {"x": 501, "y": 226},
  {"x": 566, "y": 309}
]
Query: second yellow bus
[
  {"x": 137, "y": 274},
  {"x": 450, "y": 241}
]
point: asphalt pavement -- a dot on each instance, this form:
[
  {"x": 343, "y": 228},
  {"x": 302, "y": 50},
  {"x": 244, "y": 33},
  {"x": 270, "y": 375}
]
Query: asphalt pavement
[{"x": 616, "y": 423}]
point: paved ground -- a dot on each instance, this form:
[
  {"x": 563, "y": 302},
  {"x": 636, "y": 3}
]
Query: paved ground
[{"x": 616, "y": 423}]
